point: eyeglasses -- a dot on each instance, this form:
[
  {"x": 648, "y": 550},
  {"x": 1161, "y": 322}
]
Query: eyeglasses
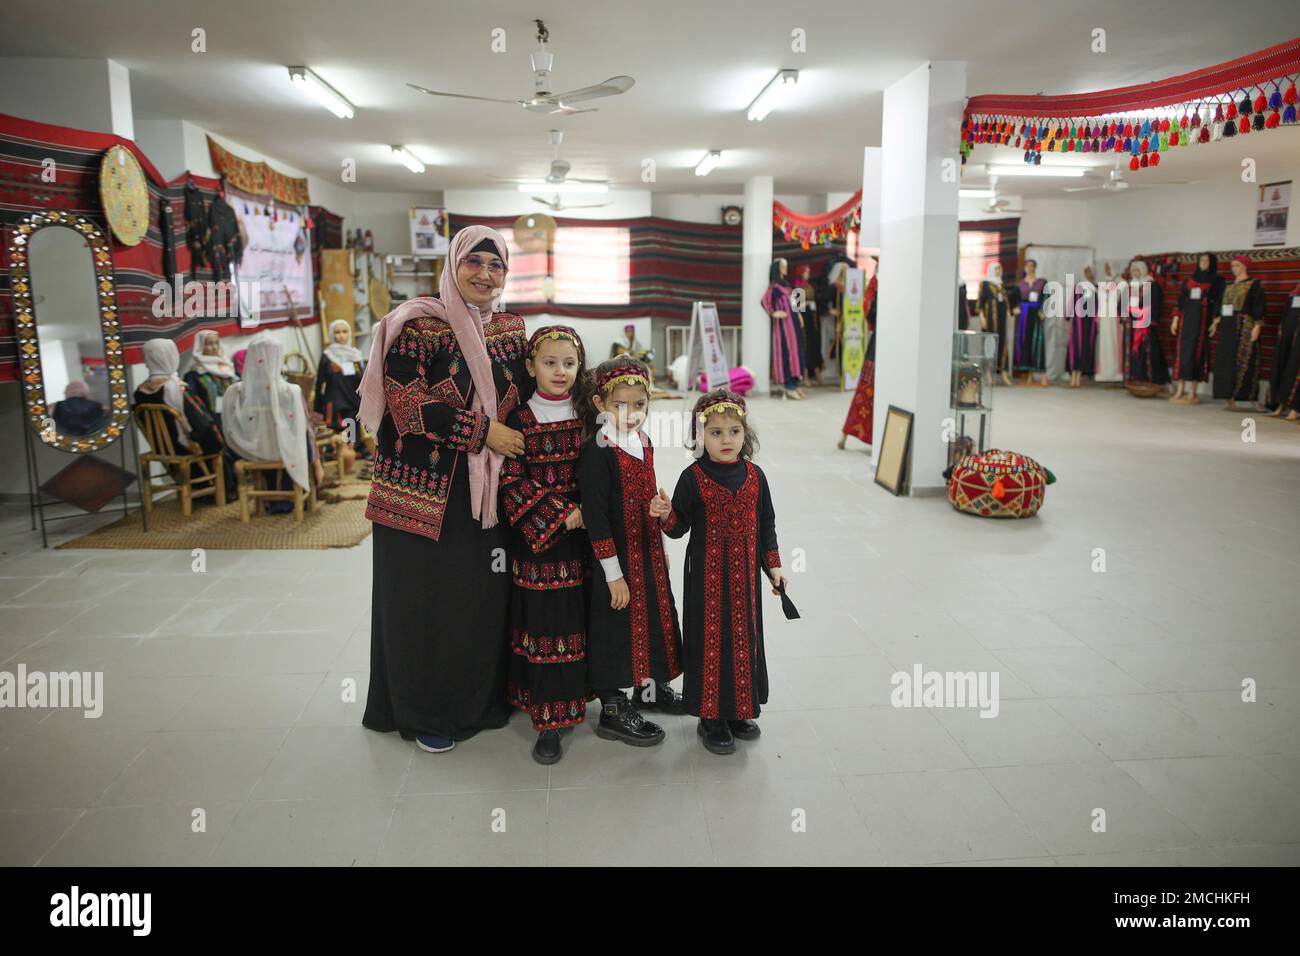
[{"x": 476, "y": 263}]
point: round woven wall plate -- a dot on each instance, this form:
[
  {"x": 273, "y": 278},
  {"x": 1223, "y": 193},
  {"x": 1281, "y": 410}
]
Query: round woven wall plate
[{"x": 125, "y": 197}]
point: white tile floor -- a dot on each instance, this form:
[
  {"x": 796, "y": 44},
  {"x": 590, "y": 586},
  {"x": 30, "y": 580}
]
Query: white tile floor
[{"x": 1119, "y": 691}]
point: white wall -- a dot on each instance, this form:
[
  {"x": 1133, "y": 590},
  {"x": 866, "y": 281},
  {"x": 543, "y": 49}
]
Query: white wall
[
  {"x": 1208, "y": 215},
  {"x": 67, "y": 92}
]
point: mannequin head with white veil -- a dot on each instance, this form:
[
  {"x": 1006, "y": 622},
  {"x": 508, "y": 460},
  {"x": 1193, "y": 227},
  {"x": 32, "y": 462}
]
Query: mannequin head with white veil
[{"x": 265, "y": 418}]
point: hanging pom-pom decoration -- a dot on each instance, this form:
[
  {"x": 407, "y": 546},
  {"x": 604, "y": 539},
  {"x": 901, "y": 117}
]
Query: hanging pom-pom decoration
[
  {"x": 1146, "y": 160},
  {"x": 1205, "y": 135},
  {"x": 1164, "y": 125},
  {"x": 1096, "y": 146},
  {"x": 1175, "y": 138},
  {"x": 1155, "y": 159},
  {"x": 1146, "y": 145},
  {"x": 1258, "y": 121},
  {"x": 1243, "y": 124},
  {"x": 1134, "y": 164},
  {"x": 1196, "y": 120},
  {"x": 1290, "y": 96},
  {"x": 1232, "y": 111},
  {"x": 1261, "y": 102},
  {"x": 1274, "y": 120},
  {"x": 1128, "y": 130},
  {"x": 1275, "y": 98},
  {"x": 1288, "y": 114},
  {"x": 1182, "y": 123},
  {"x": 1244, "y": 106},
  {"x": 1230, "y": 127}
]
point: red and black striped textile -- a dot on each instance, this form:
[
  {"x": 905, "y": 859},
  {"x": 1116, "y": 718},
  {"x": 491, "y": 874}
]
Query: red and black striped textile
[
  {"x": 1278, "y": 270},
  {"x": 28, "y": 150},
  {"x": 673, "y": 264}
]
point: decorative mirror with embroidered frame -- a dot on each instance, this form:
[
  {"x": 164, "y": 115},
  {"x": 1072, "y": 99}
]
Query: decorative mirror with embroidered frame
[{"x": 69, "y": 338}]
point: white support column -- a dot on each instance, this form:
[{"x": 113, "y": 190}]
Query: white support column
[
  {"x": 756, "y": 261},
  {"x": 920, "y": 173}
]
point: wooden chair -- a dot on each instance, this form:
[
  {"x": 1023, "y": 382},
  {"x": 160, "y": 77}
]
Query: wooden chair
[
  {"x": 251, "y": 476},
  {"x": 152, "y": 420},
  {"x": 331, "y": 442}
]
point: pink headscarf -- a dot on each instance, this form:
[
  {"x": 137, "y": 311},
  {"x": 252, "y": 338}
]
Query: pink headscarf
[{"x": 467, "y": 325}]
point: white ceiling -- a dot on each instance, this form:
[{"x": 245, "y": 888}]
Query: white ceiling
[{"x": 697, "y": 65}]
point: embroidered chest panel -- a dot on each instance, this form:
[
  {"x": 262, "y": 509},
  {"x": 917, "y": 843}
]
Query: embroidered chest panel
[
  {"x": 728, "y": 513},
  {"x": 552, "y": 450}
]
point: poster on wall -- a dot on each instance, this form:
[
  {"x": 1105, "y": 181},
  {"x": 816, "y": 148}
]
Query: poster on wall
[
  {"x": 274, "y": 276},
  {"x": 1271, "y": 213},
  {"x": 430, "y": 233},
  {"x": 855, "y": 328}
]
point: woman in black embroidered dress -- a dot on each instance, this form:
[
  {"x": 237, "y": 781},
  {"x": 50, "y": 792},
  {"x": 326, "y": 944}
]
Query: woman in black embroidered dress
[
  {"x": 633, "y": 639},
  {"x": 724, "y": 502},
  {"x": 442, "y": 377},
  {"x": 1241, "y": 316},
  {"x": 548, "y": 549}
]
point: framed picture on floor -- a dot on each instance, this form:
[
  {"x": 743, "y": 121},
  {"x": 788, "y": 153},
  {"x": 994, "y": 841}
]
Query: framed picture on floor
[{"x": 895, "y": 444}]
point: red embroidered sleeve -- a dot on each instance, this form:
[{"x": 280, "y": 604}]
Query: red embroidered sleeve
[
  {"x": 536, "y": 510},
  {"x": 772, "y": 559},
  {"x": 604, "y": 548},
  {"x": 418, "y": 408}
]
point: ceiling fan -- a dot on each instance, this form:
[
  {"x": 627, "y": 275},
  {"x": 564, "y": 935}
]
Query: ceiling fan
[
  {"x": 558, "y": 174},
  {"x": 557, "y": 204},
  {"x": 995, "y": 203},
  {"x": 1116, "y": 183},
  {"x": 543, "y": 99}
]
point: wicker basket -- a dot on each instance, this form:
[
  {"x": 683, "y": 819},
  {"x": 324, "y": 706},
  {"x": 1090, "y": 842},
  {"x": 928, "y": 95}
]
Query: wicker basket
[
  {"x": 1144, "y": 389},
  {"x": 302, "y": 375}
]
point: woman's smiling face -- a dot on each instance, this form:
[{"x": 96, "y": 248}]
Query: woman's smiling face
[{"x": 479, "y": 276}]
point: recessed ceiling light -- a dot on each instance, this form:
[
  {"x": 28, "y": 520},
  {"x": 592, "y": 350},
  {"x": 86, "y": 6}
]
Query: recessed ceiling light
[{"x": 1027, "y": 170}]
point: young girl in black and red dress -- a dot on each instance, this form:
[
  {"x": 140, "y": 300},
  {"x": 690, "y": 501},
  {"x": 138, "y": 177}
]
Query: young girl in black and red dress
[
  {"x": 548, "y": 547},
  {"x": 724, "y": 502},
  {"x": 633, "y": 639}
]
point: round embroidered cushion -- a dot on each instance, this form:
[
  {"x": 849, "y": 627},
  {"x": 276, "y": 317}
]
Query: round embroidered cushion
[{"x": 998, "y": 484}]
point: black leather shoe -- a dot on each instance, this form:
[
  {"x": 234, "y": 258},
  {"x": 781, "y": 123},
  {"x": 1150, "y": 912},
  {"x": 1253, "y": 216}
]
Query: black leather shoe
[
  {"x": 744, "y": 729},
  {"x": 716, "y": 736},
  {"x": 620, "y": 720},
  {"x": 547, "y": 749},
  {"x": 665, "y": 699}
]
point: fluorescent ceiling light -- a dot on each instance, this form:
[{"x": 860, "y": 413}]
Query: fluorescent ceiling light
[
  {"x": 975, "y": 194},
  {"x": 775, "y": 90},
  {"x": 1027, "y": 170},
  {"x": 321, "y": 92},
  {"x": 408, "y": 159},
  {"x": 707, "y": 164},
  {"x": 541, "y": 185}
]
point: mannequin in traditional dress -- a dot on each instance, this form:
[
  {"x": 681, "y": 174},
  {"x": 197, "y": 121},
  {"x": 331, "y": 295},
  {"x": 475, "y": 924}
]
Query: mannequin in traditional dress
[
  {"x": 338, "y": 378},
  {"x": 1107, "y": 366},
  {"x": 995, "y": 316},
  {"x": 1199, "y": 300},
  {"x": 1030, "y": 334},
  {"x": 786, "y": 347},
  {"x": 812, "y": 332},
  {"x": 210, "y": 372},
  {"x": 1241, "y": 321},
  {"x": 1081, "y": 353},
  {"x": 1284, "y": 383},
  {"x": 1146, "y": 358}
]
